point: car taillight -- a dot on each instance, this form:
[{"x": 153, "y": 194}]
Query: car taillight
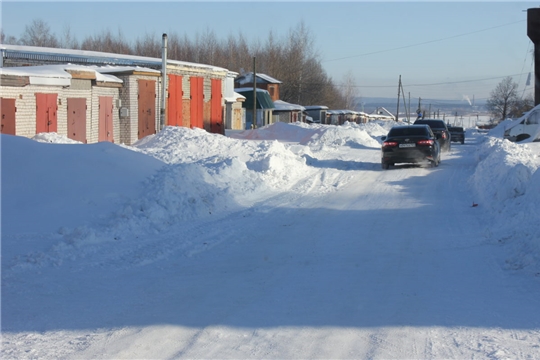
[
  {"x": 389, "y": 143},
  {"x": 444, "y": 135},
  {"x": 425, "y": 142}
]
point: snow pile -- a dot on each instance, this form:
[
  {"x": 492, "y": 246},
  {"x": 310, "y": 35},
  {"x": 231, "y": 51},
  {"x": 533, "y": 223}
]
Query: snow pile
[
  {"x": 498, "y": 131},
  {"x": 297, "y": 132},
  {"x": 507, "y": 183},
  {"x": 207, "y": 175},
  {"x": 348, "y": 134},
  {"x": 54, "y": 138},
  {"x": 319, "y": 137}
]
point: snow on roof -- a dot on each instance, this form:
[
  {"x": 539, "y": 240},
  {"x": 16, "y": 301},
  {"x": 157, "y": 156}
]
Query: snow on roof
[
  {"x": 110, "y": 56},
  {"x": 235, "y": 97},
  {"x": 316, "y": 107},
  {"x": 248, "y": 78},
  {"x": 285, "y": 106},
  {"x": 55, "y": 74},
  {"x": 119, "y": 69},
  {"x": 244, "y": 89}
]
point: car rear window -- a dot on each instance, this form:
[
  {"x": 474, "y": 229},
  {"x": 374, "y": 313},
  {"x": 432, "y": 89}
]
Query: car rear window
[
  {"x": 431, "y": 123},
  {"x": 407, "y": 131}
]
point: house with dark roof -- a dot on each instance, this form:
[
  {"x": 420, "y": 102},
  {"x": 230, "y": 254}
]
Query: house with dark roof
[{"x": 263, "y": 81}]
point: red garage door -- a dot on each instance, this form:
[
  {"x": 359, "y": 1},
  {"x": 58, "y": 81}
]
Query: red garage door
[
  {"x": 105, "y": 126},
  {"x": 147, "y": 108},
  {"x": 76, "y": 117},
  {"x": 174, "y": 105},
  {"x": 46, "y": 117},
  {"x": 8, "y": 116},
  {"x": 216, "y": 111},
  {"x": 197, "y": 96}
]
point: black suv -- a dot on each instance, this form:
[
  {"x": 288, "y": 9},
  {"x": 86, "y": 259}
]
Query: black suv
[
  {"x": 440, "y": 130},
  {"x": 410, "y": 144},
  {"x": 457, "y": 134}
]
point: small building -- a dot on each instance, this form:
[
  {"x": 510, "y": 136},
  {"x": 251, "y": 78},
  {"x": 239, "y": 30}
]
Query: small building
[
  {"x": 288, "y": 113},
  {"x": 317, "y": 113},
  {"x": 264, "y": 82},
  {"x": 72, "y": 100},
  {"x": 264, "y": 107},
  {"x": 335, "y": 117}
]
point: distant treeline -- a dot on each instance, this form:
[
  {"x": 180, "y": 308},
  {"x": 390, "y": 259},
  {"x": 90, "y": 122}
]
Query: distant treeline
[{"x": 291, "y": 59}]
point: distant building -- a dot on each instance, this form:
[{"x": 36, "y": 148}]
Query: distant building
[
  {"x": 264, "y": 82},
  {"x": 264, "y": 107}
]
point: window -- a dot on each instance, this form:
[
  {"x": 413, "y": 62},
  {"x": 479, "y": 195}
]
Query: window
[{"x": 407, "y": 131}]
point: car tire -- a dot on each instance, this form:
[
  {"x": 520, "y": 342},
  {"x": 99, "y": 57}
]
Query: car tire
[{"x": 385, "y": 166}]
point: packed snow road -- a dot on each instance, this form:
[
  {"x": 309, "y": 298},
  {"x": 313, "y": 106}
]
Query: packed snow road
[{"x": 352, "y": 261}]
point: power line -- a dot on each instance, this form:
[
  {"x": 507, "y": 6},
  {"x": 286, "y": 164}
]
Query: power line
[
  {"x": 432, "y": 84},
  {"x": 423, "y": 43}
]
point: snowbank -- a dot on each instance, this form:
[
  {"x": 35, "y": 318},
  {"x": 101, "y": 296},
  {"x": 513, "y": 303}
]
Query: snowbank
[{"x": 507, "y": 183}]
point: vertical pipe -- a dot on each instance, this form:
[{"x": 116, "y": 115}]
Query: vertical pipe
[{"x": 163, "y": 82}]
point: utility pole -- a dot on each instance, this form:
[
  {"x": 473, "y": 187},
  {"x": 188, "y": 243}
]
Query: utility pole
[
  {"x": 254, "y": 125},
  {"x": 409, "y": 112},
  {"x": 398, "y": 92}
]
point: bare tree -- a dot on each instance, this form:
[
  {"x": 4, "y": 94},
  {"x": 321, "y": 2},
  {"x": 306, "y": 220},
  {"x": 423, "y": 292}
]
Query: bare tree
[
  {"x": 38, "y": 33},
  {"x": 150, "y": 45},
  {"x": 292, "y": 59},
  {"x": 107, "y": 42},
  {"x": 68, "y": 41},
  {"x": 502, "y": 99},
  {"x": 7, "y": 39},
  {"x": 349, "y": 91},
  {"x": 522, "y": 105}
]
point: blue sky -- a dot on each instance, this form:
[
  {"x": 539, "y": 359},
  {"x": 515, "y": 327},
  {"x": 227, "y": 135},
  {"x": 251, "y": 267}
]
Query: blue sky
[{"x": 442, "y": 50}]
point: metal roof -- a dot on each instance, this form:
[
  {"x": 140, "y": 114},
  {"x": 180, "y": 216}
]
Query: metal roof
[
  {"x": 85, "y": 57},
  {"x": 264, "y": 101}
]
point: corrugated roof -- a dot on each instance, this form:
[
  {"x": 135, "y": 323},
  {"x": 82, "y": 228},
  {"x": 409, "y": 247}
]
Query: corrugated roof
[
  {"x": 264, "y": 101},
  {"x": 91, "y": 57}
]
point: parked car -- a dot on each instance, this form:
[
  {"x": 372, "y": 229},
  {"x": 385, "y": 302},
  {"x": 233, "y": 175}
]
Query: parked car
[
  {"x": 410, "y": 144},
  {"x": 457, "y": 134},
  {"x": 440, "y": 130},
  {"x": 526, "y": 127}
]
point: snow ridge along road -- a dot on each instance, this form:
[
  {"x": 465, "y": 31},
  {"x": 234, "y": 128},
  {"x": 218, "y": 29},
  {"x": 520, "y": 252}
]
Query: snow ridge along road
[{"x": 248, "y": 247}]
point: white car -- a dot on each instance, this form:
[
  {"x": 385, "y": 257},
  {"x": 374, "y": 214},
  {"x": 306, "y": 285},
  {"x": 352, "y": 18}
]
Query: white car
[{"x": 526, "y": 127}]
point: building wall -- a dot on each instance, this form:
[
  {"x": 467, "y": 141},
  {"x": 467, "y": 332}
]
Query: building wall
[
  {"x": 125, "y": 122},
  {"x": 25, "y": 102}
]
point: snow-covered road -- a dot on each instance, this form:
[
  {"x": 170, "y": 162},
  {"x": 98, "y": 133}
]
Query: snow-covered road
[{"x": 345, "y": 262}]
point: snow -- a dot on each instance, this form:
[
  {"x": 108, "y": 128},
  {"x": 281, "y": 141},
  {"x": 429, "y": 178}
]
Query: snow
[
  {"x": 287, "y": 241},
  {"x": 55, "y": 74}
]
